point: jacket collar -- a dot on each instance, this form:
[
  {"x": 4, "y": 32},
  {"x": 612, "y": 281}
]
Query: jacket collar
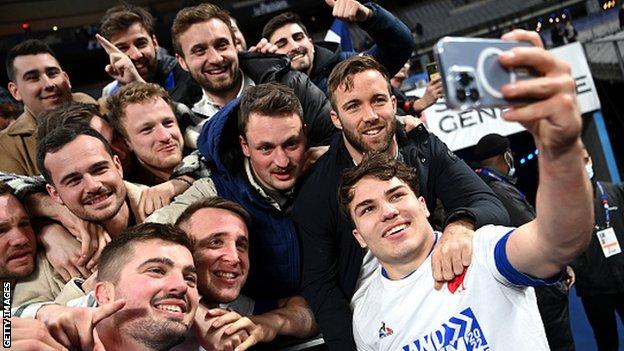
[{"x": 24, "y": 125}]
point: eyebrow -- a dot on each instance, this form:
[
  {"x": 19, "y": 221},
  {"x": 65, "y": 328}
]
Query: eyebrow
[
  {"x": 386, "y": 193},
  {"x": 169, "y": 263}
]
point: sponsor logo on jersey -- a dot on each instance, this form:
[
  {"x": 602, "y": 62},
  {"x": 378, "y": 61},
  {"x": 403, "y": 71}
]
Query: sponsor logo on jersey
[
  {"x": 461, "y": 332},
  {"x": 385, "y": 331}
]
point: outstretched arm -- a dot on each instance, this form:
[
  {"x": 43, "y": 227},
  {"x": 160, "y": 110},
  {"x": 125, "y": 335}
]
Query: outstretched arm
[{"x": 563, "y": 227}]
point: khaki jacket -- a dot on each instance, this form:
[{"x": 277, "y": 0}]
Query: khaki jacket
[{"x": 18, "y": 143}]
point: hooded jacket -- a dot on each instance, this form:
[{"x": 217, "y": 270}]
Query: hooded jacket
[{"x": 273, "y": 245}]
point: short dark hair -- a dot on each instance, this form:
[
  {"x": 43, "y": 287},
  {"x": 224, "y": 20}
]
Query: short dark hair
[
  {"x": 379, "y": 165},
  {"x": 121, "y": 17},
  {"x": 342, "y": 74},
  {"x": 214, "y": 202},
  {"x": 271, "y": 99},
  {"x": 69, "y": 113},
  {"x": 10, "y": 110},
  {"x": 5, "y": 189},
  {"x": 117, "y": 253},
  {"x": 60, "y": 137},
  {"x": 189, "y": 16},
  {"x": 133, "y": 93},
  {"x": 281, "y": 20},
  {"x": 27, "y": 47}
]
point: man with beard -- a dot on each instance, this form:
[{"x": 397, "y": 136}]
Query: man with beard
[
  {"x": 143, "y": 114},
  {"x": 256, "y": 148},
  {"x": 17, "y": 240},
  {"x": 333, "y": 264},
  {"x": 205, "y": 44},
  {"x": 36, "y": 79},
  {"x": 394, "y": 43},
  {"x": 146, "y": 291},
  {"x": 128, "y": 33},
  {"x": 219, "y": 229},
  {"x": 83, "y": 175}
]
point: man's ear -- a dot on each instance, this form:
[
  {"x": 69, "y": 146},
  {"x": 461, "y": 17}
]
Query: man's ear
[
  {"x": 66, "y": 76},
  {"x": 423, "y": 206},
  {"x": 335, "y": 119},
  {"x": 181, "y": 62},
  {"x": 14, "y": 92},
  {"x": 155, "y": 41},
  {"x": 104, "y": 292},
  {"x": 359, "y": 238},
  {"x": 54, "y": 195},
  {"x": 118, "y": 166},
  {"x": 394, "y": 103},
  {"x": 244, "y": 146}
]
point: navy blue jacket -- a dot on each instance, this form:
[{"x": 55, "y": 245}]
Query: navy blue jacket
[{"x": 273, "y": 245}]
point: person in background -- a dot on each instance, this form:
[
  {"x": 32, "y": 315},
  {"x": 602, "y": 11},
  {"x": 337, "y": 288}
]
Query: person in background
[
  {"x": 600, "y": 269},
  {"x": 496, "y": 168}
]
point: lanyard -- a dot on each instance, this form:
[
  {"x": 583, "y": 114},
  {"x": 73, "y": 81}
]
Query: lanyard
[
  {"x": 605, "y": 204},
  {"x": 488, "y": 173}
]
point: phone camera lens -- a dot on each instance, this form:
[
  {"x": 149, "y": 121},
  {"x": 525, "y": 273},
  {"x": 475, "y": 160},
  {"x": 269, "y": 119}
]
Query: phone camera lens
[
  {"x": 473, "y": 94},
  {"x": 461, "y": 94},
  {"x": 464, "y": 78}
]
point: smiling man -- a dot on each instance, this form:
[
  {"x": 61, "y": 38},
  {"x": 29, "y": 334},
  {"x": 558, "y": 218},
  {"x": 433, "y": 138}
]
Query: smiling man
[
  {"x": 151, "y": 267},
  {"x": 131, "y": 30},
  {"x": 144, "y": 114},
  {"x": 146, "y": 291},
  {"x": 219, "y": 228},
  {"x": 394, "y": 42},
  {"x": 257, "y": 149},
  {"x": 36, "y": 79},
  {"x": 333, "y": 265},
  {"x": 17, "y": 240},
  {"x": 205, "y": 45},
  {"x": 382, "y": 197},
  {"x": 83, "y": 174}
]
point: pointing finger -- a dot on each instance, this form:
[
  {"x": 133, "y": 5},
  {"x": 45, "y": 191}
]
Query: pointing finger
[
  {"x": 107, "y": 45},
  {"x": 107, "y": 310}
]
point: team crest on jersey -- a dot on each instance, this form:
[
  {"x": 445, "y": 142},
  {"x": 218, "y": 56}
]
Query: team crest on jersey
[
  {"x": 460, "y": 332},
  {"x": 385, "y": 330}
]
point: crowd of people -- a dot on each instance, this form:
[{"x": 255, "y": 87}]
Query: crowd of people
[{"x": 229, "y": 196}]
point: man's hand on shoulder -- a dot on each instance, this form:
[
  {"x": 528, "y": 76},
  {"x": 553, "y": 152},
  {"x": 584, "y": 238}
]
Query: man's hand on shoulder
[{"x": 453, "y": 253}]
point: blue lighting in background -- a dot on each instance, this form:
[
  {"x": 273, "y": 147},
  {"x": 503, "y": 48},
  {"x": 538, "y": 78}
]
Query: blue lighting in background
[{"x": 529, "y": 157}]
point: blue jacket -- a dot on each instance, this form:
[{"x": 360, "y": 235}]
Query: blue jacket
[{"x": 274, "y": 247}]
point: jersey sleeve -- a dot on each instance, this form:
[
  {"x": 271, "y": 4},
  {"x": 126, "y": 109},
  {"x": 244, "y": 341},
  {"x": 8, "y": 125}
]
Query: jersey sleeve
[{"x": 490, "y": 246}]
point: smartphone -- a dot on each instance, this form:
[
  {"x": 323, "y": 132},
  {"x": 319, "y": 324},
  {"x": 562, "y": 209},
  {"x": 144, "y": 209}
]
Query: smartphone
[
  {"x": 471, "y": 74},
  {"x": 432, "y": 70}
]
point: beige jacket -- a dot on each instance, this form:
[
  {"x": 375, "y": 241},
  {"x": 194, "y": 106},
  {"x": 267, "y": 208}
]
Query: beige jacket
[{"x": 18, "y": 143}]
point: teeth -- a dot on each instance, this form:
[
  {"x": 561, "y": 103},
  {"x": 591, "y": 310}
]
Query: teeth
[
  {"x": 396, "y": 229},
  {"x": 217, "y": 71},
  {"x": 170, "y": 308},
  {"x": 226, "y": 275},
  {"x": 373, "y": 132}
]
